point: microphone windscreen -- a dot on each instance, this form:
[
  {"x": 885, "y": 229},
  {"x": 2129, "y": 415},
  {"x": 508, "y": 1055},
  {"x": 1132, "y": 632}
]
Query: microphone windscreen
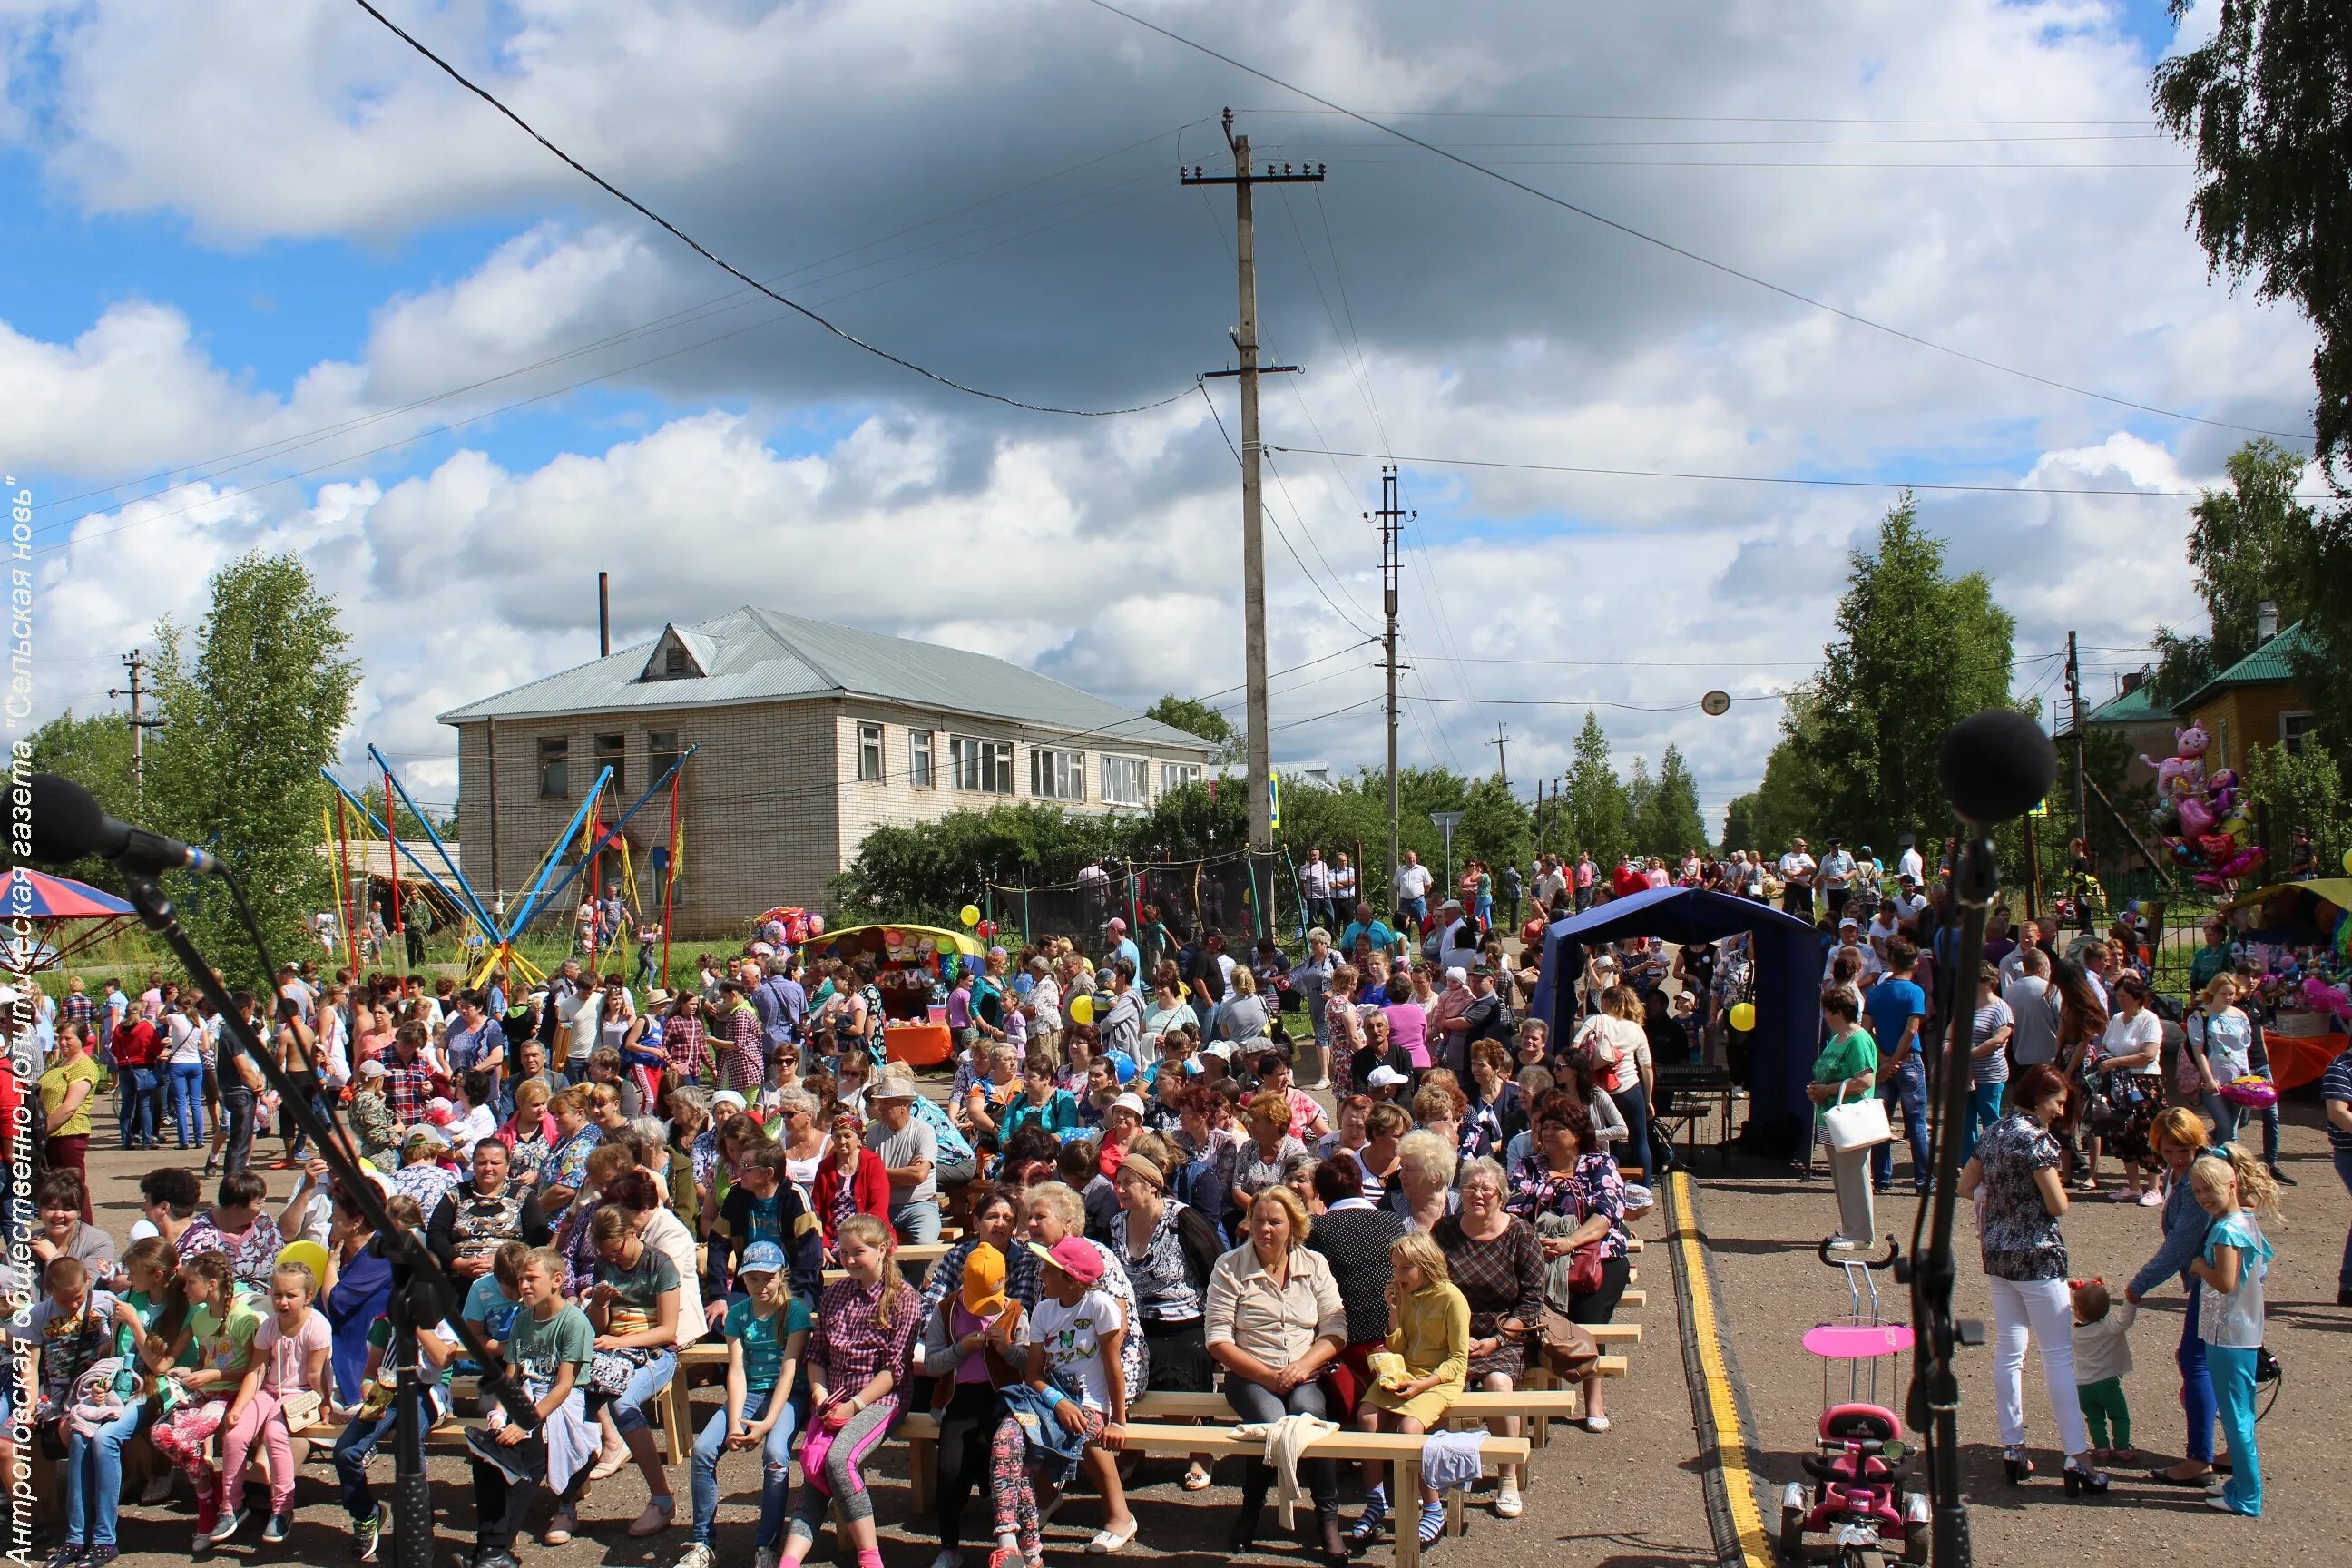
[
  {"x": 1996, "y": 765},
  {"x": 67, "y": 821}
]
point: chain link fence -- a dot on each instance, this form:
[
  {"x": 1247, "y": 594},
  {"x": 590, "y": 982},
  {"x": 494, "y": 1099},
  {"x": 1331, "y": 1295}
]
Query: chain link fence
[{"x": 1164, "y": 903}]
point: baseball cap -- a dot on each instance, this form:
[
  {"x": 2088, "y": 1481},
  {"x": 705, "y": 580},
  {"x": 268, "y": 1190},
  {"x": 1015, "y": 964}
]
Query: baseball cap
[
  {"x": 1387, "y": 1076},
  {"x": 761, "y": 1258},
  {"x": 373, "y": 1069},
  {"x": 1074, "y": 1257},
  {"x": 1117, "y": 924},
  {"x": 984, "y": 1281},
  {"x": 1484, "y": 972}
]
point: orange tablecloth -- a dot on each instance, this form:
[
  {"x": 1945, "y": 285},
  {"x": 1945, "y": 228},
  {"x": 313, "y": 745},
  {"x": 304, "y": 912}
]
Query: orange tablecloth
[
  {"x": 2298, "y": 1061},
  {"x": 919, "y": 1045}
]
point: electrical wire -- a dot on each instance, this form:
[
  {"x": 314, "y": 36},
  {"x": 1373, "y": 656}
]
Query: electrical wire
[
  {"x": 1600, "y": 472},
  {"x": 1685, "y": 119},
  {"x": 1725, "y": 267},
  {"x": 729, "y": 268},
  {"x": 1267, "y": 511}
]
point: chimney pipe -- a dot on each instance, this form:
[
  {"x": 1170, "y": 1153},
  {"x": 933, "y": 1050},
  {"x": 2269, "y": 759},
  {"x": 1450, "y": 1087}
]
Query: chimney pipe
[
  {"x": 2265, "y": 622},
  {"x": 603, "y": 615},
  {"x": 2132, "y": 682}
]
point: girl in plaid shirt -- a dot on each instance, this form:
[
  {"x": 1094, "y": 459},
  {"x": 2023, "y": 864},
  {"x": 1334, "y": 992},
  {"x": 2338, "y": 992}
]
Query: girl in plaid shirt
[{"x": 857, "y": 1364}]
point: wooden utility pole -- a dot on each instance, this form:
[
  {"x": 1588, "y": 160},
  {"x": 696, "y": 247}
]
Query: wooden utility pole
[
  {"x": 1502, "y": 763},
  {"x": 135, "y": 661},
  {"x": 1261, "y": 739},
  {"x": 1392, "y": 520}
]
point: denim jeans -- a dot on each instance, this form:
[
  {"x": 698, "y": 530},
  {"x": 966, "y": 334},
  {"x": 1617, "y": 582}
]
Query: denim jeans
[
  {"x": 2197, "y": 1401},
  {"x": 1413, "y": 911},
  {"x": 187, "y": 1085},
  {"x": 136, "y": 1113},
  {"x": 94, "y": 1478},
  {"x": 1984, "y": 1109},
  {"x": 1632, "y": 1103},
  {"x": 2344, "y": 1174},
  {"x": 2227, "y": 1114},
  {"x": 918, "y": 1223},
  {"x": 1907, "y": 1089},
  {"x": 358, "y": 1445},
  {"x": 776, "y": 1466},
  {"x": 1255, "y": 1402},
  {"x": 628, "y": 1406}
]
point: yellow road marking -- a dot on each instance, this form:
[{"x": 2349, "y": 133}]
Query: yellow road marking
[{"x": 1740, "y": 1481}]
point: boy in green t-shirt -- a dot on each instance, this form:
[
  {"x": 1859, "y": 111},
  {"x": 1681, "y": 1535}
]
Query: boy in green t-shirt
[{"x": 548, "y": 1348}]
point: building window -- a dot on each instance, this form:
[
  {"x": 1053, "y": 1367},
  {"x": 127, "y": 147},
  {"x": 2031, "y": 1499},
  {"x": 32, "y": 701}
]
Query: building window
[
  {"x": 918, "y": 760},
  {"x": 1122, "y": 781},
  {"x": 1176, "y": 776},
  {"x": 613, "y": 751},
  {"x": 982, "y": 765},
  {"x": 676, "y": 661},
  {"x": 662, "y": 750},
  {"x": 870, "y": 753},
  {"x": 1057, "y": 776},
  {"x": 554, "y": 768},
  {"x": 2294, "y": 729}
]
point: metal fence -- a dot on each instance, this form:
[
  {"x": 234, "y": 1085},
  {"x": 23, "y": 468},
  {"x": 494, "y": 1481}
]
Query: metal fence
[{"x": 1162, "y": 902}]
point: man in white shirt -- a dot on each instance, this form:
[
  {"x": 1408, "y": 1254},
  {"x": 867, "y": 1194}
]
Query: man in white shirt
[
  {"x": 1837, "y": 878},
  {"x": 1343, "y": 885},
  {"x": 1451, "y": 923},
  {"x": 1909, "y": 863},
  {"x": 1315, "y": 890},
  {"x": 2033, "y": 1002},
  {"x": 1413, "y": 884},
  {"x": 1551, "y": 881},
  {"x": 1908, "y": 899},
  {"x": 1797, "y": 869}
]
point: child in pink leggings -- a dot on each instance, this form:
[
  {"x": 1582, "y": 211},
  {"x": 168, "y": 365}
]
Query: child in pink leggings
[
  {"x": 285, "y": 1375},
  {"x": 204, "y": 1338}
]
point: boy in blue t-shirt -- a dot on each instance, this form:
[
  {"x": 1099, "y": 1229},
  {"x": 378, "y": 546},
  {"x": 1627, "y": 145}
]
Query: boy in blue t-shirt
[
  {"x": 1896, "y": 1012},
  {"x": 767, "y": 1386}
]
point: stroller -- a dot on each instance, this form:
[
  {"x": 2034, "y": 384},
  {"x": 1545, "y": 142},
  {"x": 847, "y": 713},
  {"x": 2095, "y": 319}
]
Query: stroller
[{"x": 1853, "y": 1503}]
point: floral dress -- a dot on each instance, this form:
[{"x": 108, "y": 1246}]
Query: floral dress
[
  {"x": 1589, "y": 1187},
  {"x": 2019, "y": 1234}
]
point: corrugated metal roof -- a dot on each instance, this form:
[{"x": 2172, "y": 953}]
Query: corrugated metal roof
[
  {"x": 2134, "y": 707},
  {"x": 2269, "y": 663},
  {"x": 764, "y": 655}
]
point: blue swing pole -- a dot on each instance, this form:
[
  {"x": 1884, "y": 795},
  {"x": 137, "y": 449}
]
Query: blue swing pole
[
  {"x": 534, "y": 896},
  {"x": 473, "y": 899},
  {"x": 613, "y": 831},
  {"x": 461, "y": 894}
]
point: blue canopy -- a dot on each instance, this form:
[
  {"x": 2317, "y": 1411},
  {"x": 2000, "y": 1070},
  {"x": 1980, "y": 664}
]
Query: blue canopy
[{"x": 1788, "y": 958}]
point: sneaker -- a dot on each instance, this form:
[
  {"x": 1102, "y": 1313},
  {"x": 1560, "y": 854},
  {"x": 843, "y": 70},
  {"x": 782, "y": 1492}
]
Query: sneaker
[
  {"x": 769, "y": 1557},
  {"x": 2151, "y": 1199},
  {"x": 698, "y": 1555},
  {"x": 66, "y": 1556},
  {"x": 229, "y": 1525},
  {"x": 369, "y": 1534},
  {"x": 98, "y": 1556},
  {"x": 946, "y": 1559}
]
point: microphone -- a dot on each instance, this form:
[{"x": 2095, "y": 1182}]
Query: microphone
[
  {"x": 69, "y": 824},
  {"x": 1995, "y": 765}
]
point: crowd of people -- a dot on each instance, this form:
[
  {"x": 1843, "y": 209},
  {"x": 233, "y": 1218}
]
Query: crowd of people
[{"x": 1148, "y": 1200}]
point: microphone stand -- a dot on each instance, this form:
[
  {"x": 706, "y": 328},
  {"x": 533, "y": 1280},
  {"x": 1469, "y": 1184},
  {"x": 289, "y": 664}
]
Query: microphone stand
[
  {"x": 1934, "y": 1404},
  {"x": 421, "y": 1291}
]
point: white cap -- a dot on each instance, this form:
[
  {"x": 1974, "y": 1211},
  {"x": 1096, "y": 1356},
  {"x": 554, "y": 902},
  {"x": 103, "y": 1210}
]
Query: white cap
[
  {"x": 1387, "y": 1076},
  {"x": 1457, "y": 973},
  {"x": 1130, "y": 1102}
]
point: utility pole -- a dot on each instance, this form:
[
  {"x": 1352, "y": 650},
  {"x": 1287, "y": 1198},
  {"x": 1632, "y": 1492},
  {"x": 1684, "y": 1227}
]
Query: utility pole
[
  {"x": 1392, "y": 521},
  {"x": 2074, "y": 716},
  {"x": 1502, "y": 763},
  {"x": 135, "y": 661},
  {"x": 1261, "y": 739}
]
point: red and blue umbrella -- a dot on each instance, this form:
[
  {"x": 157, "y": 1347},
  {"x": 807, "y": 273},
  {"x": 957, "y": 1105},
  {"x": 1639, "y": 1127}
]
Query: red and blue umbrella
[{"x": 53, "y": 903}]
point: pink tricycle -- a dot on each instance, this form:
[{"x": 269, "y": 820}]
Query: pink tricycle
[{"x": 1854, "y": 1504}]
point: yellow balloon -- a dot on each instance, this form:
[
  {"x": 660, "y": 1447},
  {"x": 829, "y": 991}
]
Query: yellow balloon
[
  {"x": 2348, "y": 862},
  {"x": 970, "y": 915},
  {"x": 308, "y": 1253},
  {"x": 1082, "y": 1009},
  {"x": 1743, "y": 1016}
]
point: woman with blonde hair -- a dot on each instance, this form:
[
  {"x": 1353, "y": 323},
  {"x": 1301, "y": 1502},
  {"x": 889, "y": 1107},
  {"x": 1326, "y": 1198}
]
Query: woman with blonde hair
[
  {"x": 1274, "y": 1321},
  {"x": 1423, "y": 1191},
  {"x": 2179, "y": 1140}
]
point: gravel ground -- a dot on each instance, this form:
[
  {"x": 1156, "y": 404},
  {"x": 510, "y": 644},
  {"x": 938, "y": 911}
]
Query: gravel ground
[{"x": 1763, "y": 1225}]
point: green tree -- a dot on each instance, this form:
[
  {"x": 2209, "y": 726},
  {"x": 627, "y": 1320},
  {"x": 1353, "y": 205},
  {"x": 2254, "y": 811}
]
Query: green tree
[
  {"x": 2267, "y": 103},
  {"x": 1670, "y": 823},
  {"x": 2251, "y": 543},
  {"x": 2304, "y": 789},
  {"x": 1197, "y": 718},
  {"x": 1786, "y": 804},
  {"x": 251, "y": 709},
  {"x": 1639, "y": 792},
  {"x": 1598, "y": 818},
  {"x": 1916, "y": 651}
]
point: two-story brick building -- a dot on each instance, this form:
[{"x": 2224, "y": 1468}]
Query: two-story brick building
[{"x": 808, "y": 736}]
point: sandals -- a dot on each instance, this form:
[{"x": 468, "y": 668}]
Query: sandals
[{"x": 1196, "y": 1479}]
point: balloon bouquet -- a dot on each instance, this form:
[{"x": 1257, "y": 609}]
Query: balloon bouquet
[{"x": 2203, "y": 820}]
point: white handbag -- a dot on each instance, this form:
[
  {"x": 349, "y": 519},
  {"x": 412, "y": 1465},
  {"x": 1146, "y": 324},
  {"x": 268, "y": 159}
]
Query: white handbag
[{"x": 1847, "y": 1126}]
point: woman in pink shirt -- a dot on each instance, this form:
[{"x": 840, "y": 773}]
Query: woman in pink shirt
[{"x": 1409, "y": 1027}]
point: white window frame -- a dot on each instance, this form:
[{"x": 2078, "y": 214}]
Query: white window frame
[
  {"x": 1057, "y": 774},
  {"x": 921, "y": 772},
  {"x": 870, "y": 753},
  {"x": 2292, "y": 741},
  {"x": 1174, "y": 777},
  {"x": 1136, "y": 768},
  {"x": 979, "y": 765}
]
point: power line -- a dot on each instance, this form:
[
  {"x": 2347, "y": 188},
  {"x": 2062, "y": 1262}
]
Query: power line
[
  {"x": 1676, "y": 118},
  {"x": 1687, "y": 254},
  {"x": 1312, "y": 579},
  {"x": 1600, "y": 472},
  {"x": 728, "y": 266},
  {"x": 1785, "y": 142}
]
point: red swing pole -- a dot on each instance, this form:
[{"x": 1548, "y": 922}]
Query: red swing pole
[
  {"x": 669, "y": 871},
  {"x": 392, "y": 828},
  {"x": 596, "y": 876}
]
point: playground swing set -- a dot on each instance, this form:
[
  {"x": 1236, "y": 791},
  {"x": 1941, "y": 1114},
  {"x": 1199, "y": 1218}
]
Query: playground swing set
[{"x": 487, "y": 942}]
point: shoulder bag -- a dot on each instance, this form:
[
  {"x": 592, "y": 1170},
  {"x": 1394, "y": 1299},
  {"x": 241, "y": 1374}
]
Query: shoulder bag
[{"x": 1849, "y": 1125}]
